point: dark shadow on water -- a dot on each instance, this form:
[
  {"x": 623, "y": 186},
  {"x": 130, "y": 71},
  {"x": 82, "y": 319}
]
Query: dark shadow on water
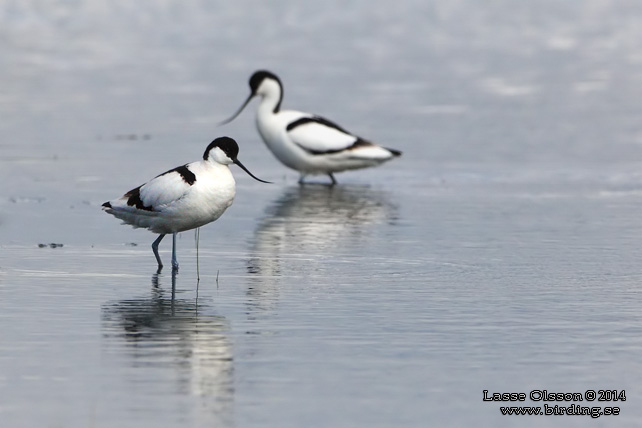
[
  {"x": 306, "y": 225},
  {"x": 193, "y": 350}
]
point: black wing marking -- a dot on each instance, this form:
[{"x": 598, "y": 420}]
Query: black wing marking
[
  {"x": 359, "y": 143},
  {"x": 317, "y": 119},
  {"x": 133, "y": 200},
  {"x": 187, "y": 175}
]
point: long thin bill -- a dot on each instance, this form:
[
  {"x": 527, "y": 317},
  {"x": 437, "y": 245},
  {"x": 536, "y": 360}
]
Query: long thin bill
[
  {"x": 237, "y": 113},
  {"x": 238, "y": 162}
]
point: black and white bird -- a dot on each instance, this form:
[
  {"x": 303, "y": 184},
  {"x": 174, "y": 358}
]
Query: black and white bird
[
  {"x": 306, "y": 142},
  {"x": 182, "y": 198}
]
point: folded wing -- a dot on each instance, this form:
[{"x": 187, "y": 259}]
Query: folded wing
[
  {"x": 317, "y": 135},
  {"x": 159, "y": 192}
]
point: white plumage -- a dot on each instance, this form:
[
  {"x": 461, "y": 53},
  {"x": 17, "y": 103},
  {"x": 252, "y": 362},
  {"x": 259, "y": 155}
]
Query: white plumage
[
  {"x": 182, "y": 198},
  {"x": 305, "y": 142}
]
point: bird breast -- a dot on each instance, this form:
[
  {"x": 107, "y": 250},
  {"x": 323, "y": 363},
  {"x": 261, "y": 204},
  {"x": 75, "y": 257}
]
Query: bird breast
[
  {"x": 272, "y": 128},
  {"x": 211, "y": 194}
]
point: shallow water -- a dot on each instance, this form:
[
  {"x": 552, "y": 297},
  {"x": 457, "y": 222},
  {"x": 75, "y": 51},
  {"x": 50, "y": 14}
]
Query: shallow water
[{"x": 501, "y": 252}]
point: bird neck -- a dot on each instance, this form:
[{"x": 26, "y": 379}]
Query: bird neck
[{"x": 271, "y": 97}]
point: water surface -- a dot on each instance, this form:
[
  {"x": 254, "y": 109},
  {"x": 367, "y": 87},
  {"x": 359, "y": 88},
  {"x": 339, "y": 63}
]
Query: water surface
[{"x": 501, "y": 252}]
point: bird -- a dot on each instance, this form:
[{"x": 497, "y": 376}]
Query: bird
[
  {"x": 183, "y": 198},
  {"x": 305, "y": 142}
]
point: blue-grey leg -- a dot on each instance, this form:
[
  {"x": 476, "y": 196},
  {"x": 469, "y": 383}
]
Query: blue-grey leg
[
  {"x": 174, "y": 272},
  {"x": 334, "y": 181},
  {"x": 174, "y": 261},
  {"x": 155, "y": 249}
]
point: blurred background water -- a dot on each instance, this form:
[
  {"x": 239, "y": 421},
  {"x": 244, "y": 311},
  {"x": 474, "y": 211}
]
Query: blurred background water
[{"x": 501, "y": 252}]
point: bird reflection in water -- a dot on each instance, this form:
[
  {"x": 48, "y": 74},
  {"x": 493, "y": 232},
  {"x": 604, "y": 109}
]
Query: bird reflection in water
[
  {"x": 164, "y": 333},
  {"x": 307, "y": 225}
]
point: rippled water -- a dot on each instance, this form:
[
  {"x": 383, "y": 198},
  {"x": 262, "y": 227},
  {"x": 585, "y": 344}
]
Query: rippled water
[{"x": 501, "y": 252}]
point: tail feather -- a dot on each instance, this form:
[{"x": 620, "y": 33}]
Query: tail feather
[{"x": 132, "y": 216}]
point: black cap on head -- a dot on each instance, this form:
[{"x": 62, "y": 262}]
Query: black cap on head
[
  {"x": 255, "y": 81},
  {"x": 260, "y": 76},
  {"x": 231, "y": 149},
  {"x": 227, "y": 144}
]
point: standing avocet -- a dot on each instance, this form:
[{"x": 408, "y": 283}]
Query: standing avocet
[
  {"x": 305, "y": 142},
  {"x": 182, "y": 198}
]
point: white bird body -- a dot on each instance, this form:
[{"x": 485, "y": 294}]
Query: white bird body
[
  {"x": 182, "y": 198},
  {"x": 171, "y": 205},
  {"x": 305, "y": 142}
]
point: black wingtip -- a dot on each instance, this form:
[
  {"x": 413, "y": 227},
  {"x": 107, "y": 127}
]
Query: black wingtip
[
  {"x": 395, "y": 153},
  {"x": 106, "y": 205}
]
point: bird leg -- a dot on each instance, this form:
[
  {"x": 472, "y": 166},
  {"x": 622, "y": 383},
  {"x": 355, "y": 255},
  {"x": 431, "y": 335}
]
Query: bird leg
[
  {"x": 334, "y": 181},
  {"x": 155, "y": 249},
  {"x": 174, "y": 261}
]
